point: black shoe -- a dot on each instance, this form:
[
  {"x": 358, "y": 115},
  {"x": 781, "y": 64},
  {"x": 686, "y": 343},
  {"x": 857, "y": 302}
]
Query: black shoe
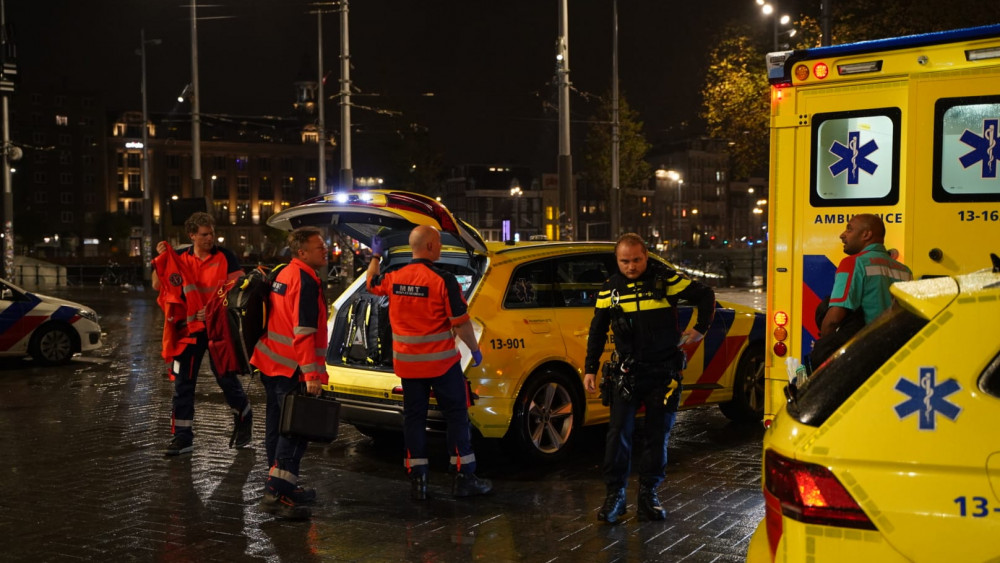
[
  {"x": 242, "y": 431},
  {"x": 418, "y": 487},
  {"x": 283, "y": 506},
  {"x": 468, "y": 485},
  {"x": 302, "y": 495},
  {"x": 614, "y": 506},
  {"x": 649, "y": 505},
  {"x": 179, "y": 445}
]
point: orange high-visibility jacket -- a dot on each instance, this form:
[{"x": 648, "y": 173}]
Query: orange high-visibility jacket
[
  {"x": 296, "y": 326},
  {"x": 425, "y": 302}
]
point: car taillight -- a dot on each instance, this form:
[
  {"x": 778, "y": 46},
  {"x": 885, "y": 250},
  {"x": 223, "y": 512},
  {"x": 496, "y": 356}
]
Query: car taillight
[{"x": 808, "y": 493}]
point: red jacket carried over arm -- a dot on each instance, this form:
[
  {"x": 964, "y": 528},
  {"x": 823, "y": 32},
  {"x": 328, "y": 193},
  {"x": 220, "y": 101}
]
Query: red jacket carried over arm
[
  {"x": 180, "y": 301},
  {"x": 221, "y": 346}
]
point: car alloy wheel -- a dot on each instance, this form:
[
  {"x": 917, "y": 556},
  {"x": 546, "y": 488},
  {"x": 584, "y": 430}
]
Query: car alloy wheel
[
  {"x": 545, "y": 416},
  {"x": 52, "y": 345}
]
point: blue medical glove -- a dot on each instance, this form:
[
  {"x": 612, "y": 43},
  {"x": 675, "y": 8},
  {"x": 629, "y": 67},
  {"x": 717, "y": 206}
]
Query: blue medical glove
[
  {"x": 477, "y": 358},
  {"x": 377, "y": 246}
]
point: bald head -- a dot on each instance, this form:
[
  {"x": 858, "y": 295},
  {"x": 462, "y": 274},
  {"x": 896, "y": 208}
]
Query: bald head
[
  {"x": 872, "y": 223},
  {"x": 863, "y": 229},
  {"x": 426, "y": 243}
]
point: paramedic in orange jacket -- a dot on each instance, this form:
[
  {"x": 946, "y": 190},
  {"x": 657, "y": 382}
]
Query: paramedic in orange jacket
[
  {"x": 426, "y": 311},
  {"x": 291, "y": 353},
  {"x": 212, "y": 266}
]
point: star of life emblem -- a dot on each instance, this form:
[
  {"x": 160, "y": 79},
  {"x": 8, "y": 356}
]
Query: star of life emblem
[
  {"x": 927, "y": 398},
  {"x": 853, "y": 158},
  {"x": 984, "y": 149}
]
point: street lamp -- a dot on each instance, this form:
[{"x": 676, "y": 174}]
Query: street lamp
[
  {"x": 147, "y": 205},
  {"x": 515, "y": 192},
  {"x": 769, "y": 9},
  {"x": 675, "y": 176}
]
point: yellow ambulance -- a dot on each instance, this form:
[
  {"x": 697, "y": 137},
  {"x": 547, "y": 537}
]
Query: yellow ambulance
[{"x": 904, "y": 128}]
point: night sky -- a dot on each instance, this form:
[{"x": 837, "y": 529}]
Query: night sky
[{"x": 488, "y": 62}]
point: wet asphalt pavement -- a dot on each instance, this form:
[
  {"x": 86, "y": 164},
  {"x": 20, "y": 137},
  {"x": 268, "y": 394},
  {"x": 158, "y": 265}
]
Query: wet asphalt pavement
[{"x": 85, "y": 479}]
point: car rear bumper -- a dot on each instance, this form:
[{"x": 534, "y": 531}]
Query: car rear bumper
[{"x": 387, "y": 415}]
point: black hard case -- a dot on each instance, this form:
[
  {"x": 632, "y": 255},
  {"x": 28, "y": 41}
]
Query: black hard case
[{"x": 314, "y": 418}]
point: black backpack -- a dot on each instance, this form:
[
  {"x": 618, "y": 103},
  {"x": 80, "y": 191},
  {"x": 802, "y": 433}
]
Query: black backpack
[
  {"x": 824, "y": 347},
  {"x": 368, "y": 338},
  {"x": 247, "y": 307}
]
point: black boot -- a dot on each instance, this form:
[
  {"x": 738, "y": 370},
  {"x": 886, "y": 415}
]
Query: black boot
[
  {"x": 468, "y": 485},
  {"x": 284, "y": 507},
  {"x": 418, "y": 487},
  {"x": 242, "y": 430},
  {"x": 649, "y": 504},
  {"x": 614, "y": 506}
]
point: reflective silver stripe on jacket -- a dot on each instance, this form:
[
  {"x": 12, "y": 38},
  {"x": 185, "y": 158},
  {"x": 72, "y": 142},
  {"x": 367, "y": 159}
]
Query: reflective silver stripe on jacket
[
  {"x": 183, "y": 423},
  {"x": 279, "y": 338},
  {"x": 304, "y": 330},
  {"x": 309, "y": 368},
  {"x": 887, "y": 271},
  {"x": 278, "y": 358},
  {"x": 424, "y": 357},
  {"x": 421, "y": 338}
]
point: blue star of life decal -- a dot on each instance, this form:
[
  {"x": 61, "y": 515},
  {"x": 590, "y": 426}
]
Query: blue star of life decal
[
  {"x": 928, "y": 399},
  {"x": 984, "y": 149},
  {"x": 853, "y": 158}
]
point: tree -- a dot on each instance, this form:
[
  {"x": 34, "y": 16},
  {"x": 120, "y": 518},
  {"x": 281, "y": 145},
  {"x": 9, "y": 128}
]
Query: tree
[
  {"x": 736, "y": 94},
  {"x": 633, "y": 170},
  {"x": 736, "y": 99}
]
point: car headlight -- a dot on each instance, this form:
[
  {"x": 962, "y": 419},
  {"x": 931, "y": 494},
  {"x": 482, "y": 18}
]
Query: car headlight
[{"x": 87, "y": 314}]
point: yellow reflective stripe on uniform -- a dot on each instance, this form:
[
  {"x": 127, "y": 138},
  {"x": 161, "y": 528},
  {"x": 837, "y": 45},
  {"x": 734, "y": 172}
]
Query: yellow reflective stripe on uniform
[
  {"x": 283, "y": 474},
  {"x": 421, "y": 338},
  {"x": 278, "y": 358},
  {"x": 677, "y": 284},
  {"x": 465, "y": 459},
  {"x": 280, "y": 338},
  {"x": 644, "y": 305},
  {"x": 304, "y": 330},
  {"x": 424, "y": 357}
]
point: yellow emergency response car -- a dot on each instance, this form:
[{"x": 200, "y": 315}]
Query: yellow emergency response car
[
  {"x": 891, "y": 450},
  {"x": 904, "y": 128},
  {"x": 531, "y": 305}
]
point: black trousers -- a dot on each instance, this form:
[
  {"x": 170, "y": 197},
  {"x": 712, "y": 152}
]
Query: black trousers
[{"x": 661, "y": 410}]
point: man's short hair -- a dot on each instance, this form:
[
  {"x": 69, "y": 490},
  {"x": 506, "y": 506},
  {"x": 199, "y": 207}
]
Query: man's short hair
[
  {"x": 631, "y": 239},
  {"x": 300, "y": 236},
  {"x": 198, "y": 220}
]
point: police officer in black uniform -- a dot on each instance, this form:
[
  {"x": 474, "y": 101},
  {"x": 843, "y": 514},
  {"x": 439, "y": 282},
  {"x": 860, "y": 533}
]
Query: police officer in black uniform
[{"x": 640, "y": 306}]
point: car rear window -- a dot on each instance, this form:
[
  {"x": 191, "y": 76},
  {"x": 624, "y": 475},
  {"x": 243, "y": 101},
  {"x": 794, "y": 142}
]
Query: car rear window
[{"x": 814, "y": 401}]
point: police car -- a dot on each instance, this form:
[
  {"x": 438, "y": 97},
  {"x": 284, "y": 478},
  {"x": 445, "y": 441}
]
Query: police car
[
  {"x": 48, "y": 329},
  {"x": 531, "y": 305},
  {"x": 891, "y": 450}
]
